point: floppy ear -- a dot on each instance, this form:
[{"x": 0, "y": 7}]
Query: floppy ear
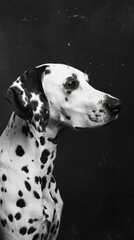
[{"x": 28, "y": 100}]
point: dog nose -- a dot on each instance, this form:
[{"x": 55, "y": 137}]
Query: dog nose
[{"x": 113, "y": 105}]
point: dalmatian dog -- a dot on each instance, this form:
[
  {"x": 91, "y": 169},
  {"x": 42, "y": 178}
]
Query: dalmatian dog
[{"x": 44, "y": 100}]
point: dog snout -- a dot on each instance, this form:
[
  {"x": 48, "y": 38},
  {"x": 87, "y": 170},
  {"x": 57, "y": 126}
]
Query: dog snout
[{"x": 113, "y": 105}]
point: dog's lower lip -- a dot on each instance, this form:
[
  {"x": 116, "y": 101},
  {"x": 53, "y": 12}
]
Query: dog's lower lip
[
  {"x": 78, "y": 128},
  {"x": 93, "y": 119}
]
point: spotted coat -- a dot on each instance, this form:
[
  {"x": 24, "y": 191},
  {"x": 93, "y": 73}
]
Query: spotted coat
[{"x": 44, "y": 100}]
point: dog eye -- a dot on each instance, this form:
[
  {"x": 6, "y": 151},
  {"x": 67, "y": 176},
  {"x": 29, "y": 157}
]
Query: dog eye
[{"x": 71, "y": 84}]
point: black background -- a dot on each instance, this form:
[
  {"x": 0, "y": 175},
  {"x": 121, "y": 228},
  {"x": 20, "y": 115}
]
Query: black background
[{"x": 94, "y": 168}]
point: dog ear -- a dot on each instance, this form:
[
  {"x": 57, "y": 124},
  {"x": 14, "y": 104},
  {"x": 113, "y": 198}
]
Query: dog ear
[{"x": 28, "y": 100}]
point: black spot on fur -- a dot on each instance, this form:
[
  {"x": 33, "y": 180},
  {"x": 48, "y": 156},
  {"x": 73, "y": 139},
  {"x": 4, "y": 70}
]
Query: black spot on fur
[
  {"x": 37, "y": 179},
  {"x": 52, "y": 180},
  {"x": 43, "y": 183},
  {"x": 10, "y": 217},
  {"x": 31, "y": 135},
  {"x": 47, "y": 71},
  {"x": 69, "y": 91},
  {"x": 17, "y": 216},
  {"x": 20, "y": 203},
  {"x": 1, "y": 201},
  {"x": 2, "y": 189},
  {"x": 42, "y": 236},
  {"x": 42, "y": 166},
  {"x": 53, "y": 228},
  {"x": 25, "y": 130},
  {"x": 37, "y": 117},
  {"x": 56, "y": 188},
  {"x": 19, "y": 151},
  {"x": 4, "y": 178},
  {"x": 49, "y": 170},
  {"x": 23, "y": 230},
  {"x": 14, "y": 115},
  {"x": 54, "y": 199},
  {"x": 46, "y": 215},
  {"x": 44, "y": 156},
  {"x": 20, "y": 193},
  {"x": 31, "y": 230},
  {"x": 58, "y": 222},
  {"x": 55, "y": 231},
  {"x": 36, "y": 236},
  {"x": 36, "y": 195},
  {"x": 49, "y": 185},
  {"x": 30, "y": 220},
  {"x": 52, "y": 154},
  {"x": 54, "y": 215},
  {"x": 25, "y": 169},
  {"x": 27, "y": 185},
  {"x": 36, "y": 219},
  {"x": 48, "y": 225},
  {"x": 34, "y": 104},
  {"x": 66, "y": 99},
  {"x": 42, "y": 140},
  {"x": 3, "y": 222},
  {"x": 37, "y": 144}
]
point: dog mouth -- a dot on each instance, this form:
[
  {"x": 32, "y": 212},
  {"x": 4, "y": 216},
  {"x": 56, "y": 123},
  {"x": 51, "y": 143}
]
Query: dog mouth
[
  {"x": 79, "y": 128},
  {"x": 95, "y": 119},
  {"x": 103, "y": 119}
]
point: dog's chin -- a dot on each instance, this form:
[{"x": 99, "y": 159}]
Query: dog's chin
[
  {"x": 79, "y": 128},
  {"x": 95, "y": 123}
]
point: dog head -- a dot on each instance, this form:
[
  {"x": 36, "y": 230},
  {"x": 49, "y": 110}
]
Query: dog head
[
  {"x": 74, "y": 102},
  {"x": 62, "y": 95}
]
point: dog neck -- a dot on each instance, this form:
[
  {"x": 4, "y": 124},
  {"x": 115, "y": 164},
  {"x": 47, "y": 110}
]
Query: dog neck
[
  {"x": 34, "y": 150},
  {"x": 27, "y": 159}
]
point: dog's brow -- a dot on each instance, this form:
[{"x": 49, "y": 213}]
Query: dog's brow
[{"x": 73, "y": 76}]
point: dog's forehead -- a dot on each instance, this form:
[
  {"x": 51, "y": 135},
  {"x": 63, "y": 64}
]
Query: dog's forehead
[{"x": 60, "y": 72}]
